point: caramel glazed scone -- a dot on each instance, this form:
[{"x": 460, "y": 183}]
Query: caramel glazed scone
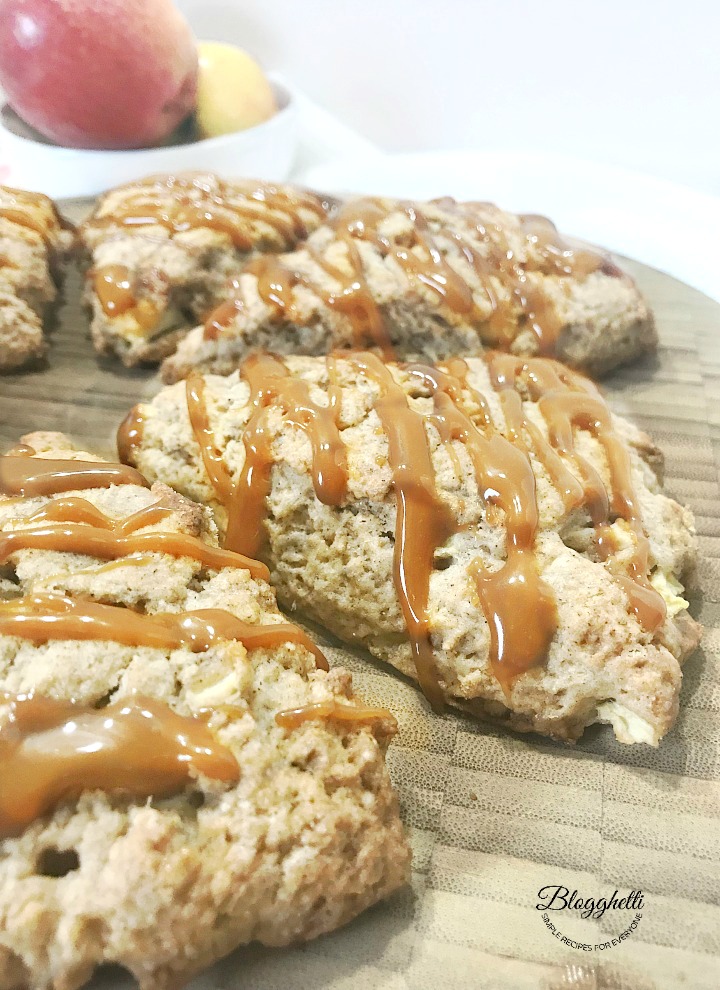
[
  {"x": 33, "y": 239},
  {"x": 488, "y": 527},
  {"x": 179, "y": 772},
  {"x": 427, "y": 282},
  {"x": 160, "y": 253}
]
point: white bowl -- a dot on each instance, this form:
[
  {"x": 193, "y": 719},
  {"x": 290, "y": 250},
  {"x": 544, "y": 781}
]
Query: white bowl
[{"x": 266, "y": 151}]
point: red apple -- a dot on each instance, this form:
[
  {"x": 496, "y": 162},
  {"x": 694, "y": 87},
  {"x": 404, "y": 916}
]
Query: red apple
[{"x": 98, "y": 73}]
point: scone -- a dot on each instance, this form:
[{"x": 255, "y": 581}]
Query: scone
[
  {"x": 427, "y": 282},
  {"x": 160, "y": 253},
  {"x": 179, "y": 772},
  {"x": 487, "y": 527},
  {"x": 33, "y": 238}
]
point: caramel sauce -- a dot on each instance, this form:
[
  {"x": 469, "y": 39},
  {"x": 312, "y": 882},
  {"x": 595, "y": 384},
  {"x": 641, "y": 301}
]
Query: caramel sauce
[
  {"x": 33, "y": 476},
  {"x": 271, "y": 386},
  {"x": 86, "y": 529},
  {"x": 113, "y": 286},
  {"x": 431, "y": 269},
  {"x": 49, "y": 617},
  {"x": 275, "y": 284},
  {"x": 188, "y": 202},
  {"x": 567, "y": 400},
  {"x": 423, "y": 261},
  {"x": 130, "y": 434},
  {"x": 21, "y": 450},
  {"x": 51, "y": 751},
  {"x": 292, "y": 718},
  {"x": 355, "y": 300},
  {"x": 82, "y": 539},
  {"x": 518, "y": 605},
  {"x": 34, "y": 211},
  {"x": 572, "y": 491},
  {"x": 75, "y": 509},
  {"x": 184, "y": 202},
  {"x": 222, "y": 316},
  {"x": 215, "y": 466},
  {"x": 141, "y": 560},
  {"x": 423, "y": 521}
]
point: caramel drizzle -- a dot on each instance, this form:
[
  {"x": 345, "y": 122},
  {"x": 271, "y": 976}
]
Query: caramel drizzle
[
  {"x": 423, "y": 521},
  {"x": 130, "y": 434},
  {"x": 519, "y": 607},
  {"x": 114, "y": 287},
  {"x": 424, "y": 262},
  {"x": 567, "y": 400},
  {"x": 77, "y": 526},
  {"x": 181, "y": 203},
  {"x": 51, "y": 751},
  {"x": 292, "y": 718},
  {"x": 139, "y": 747},
  {"x": 271, "y": 386},
  {"x": 74, "y": 509},
  {"x": 49, "y": 617},
  {"x": 276, "y": 283},
  {"x": 34, "y": 211},
  {"x": 23, "y": 474}
]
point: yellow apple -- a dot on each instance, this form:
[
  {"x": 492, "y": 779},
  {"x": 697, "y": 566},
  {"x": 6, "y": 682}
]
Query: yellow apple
[{"x": 233, "y": 91}]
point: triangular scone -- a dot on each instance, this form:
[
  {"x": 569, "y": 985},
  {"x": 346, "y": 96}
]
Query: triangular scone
[
  {"x": 489, "y": 527},
  {"x": 33, "y": 238},
  {"x": 161, "y": 253},
  {"x": 425, "y": 282},
  {"x": 279, "y": 828}
]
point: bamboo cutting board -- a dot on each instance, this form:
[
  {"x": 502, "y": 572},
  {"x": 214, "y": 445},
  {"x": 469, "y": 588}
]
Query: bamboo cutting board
[{"x": 495, "y": 817}]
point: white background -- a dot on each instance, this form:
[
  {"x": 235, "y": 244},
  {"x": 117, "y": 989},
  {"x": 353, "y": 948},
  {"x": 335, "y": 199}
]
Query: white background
[{"x": 634, "y": 83}]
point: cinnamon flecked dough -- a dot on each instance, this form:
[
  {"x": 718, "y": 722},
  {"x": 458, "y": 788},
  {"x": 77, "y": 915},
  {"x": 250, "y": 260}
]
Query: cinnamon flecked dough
[
  {"x": 33, "y": 242},
  {"x": 161, "y": 253},
  {"x": 306, "y": 839},
  {"x": 427, "y": 282},
  {"x": 334, "y": 562}
]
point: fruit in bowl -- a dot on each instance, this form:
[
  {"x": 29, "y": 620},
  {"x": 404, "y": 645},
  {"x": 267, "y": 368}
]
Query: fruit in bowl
[
  {"x": 123, "y": 74},
  {"x": 233, "y": 91}
]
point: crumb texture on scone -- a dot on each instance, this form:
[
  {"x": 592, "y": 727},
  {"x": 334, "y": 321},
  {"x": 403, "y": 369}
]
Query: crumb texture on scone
[
  {"x": 33, "y": 239},
  {"x": 297, "y": 839},
  {"x": 426, "y": 282},
  {"x": 162, "y": 252},
  {"x": 488, "y": 527}
]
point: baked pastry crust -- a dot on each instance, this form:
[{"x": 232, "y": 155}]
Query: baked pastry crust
[
  {"x": 160, "y": 253},
  {"x": 33, "y": 239},
  {"x": 427, "y": 282},
  {"x": 334, "y": 556},
  {"x": 306, "y": 839}
]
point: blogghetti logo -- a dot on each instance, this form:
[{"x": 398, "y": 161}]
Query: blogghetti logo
[{"x": 560, "y": 905}]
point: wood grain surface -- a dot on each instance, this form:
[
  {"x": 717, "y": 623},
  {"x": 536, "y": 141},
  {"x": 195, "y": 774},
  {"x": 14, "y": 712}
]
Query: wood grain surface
[{"x": 495, "y": 817}]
